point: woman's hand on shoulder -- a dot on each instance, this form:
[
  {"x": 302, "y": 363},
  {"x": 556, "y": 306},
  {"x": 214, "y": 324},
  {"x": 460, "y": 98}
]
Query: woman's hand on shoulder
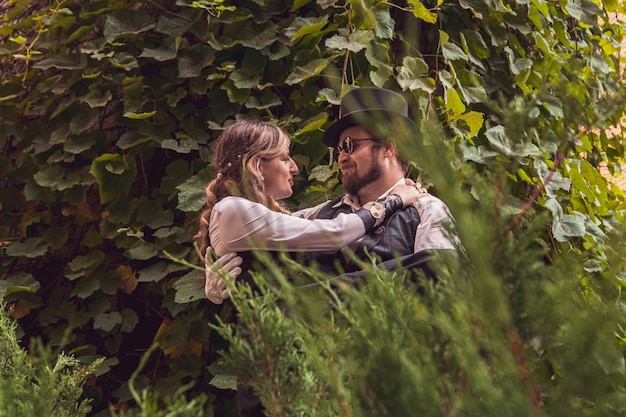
[{"x": 410, "y": 192}]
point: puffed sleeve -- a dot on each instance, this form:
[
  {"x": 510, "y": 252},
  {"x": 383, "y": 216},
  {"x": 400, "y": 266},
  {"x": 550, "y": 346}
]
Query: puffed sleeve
[
  {"x": 436, "y": 228},
  {"x": 238, "y": 224}
]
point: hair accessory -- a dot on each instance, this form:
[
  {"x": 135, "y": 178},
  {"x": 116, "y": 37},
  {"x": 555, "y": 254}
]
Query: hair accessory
[
  {"x": 220, "y": 176},
  {"x": 238, "y": 156},
  {"x": 230, "y": 164}
]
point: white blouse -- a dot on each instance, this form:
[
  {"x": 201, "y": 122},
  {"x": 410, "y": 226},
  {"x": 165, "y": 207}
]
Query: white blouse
[{"x": 238, "y": 224}]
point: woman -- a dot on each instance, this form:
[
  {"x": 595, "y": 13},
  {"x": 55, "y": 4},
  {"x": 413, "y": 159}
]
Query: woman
[{"x": 243, "y": 212}]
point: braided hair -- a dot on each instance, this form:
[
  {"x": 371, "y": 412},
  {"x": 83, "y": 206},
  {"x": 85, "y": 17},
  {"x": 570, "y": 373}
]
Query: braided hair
[{"x": 237, "y": 156}]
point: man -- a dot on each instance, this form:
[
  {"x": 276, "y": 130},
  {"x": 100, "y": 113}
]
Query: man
[{"x": 365, "y": 137}]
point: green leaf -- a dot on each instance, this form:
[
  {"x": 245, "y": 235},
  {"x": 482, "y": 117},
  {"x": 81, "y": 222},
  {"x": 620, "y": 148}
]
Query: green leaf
[
  {"x": 18, "y": 283},
  {"x": 412, "y": 75},
  {"x": 85, "y": 262},
  {"x": 353, "y": 42},
  {"x": 126, "y": 22},
  {"x": 182, "y": 145},
  {"x": 193, "y": 59},
  {"x": 191, "y": 195},
  {"x": 158, "y": 271},
  {"x": 107, "y": 321},
  {"x": 190, "y": 287},
  {"x": 167, "y": 50},
  {"x": 311, "y": 69},
  {"x": 56, "y": 178},
  {"x": 79, "y": 144},
  {"x": 129, "y": 320},
  {"x": 302, "y": 26},
  {"x": 115, "y": 175},
  {"x": 253, "y": 38},
  {"x": 63, "y": 62},
  {"x": 452, "y": 52},
  {"x": 83, "y": 120},
  {"x": 224, "y": 382},
  {"x": 142, "y": 251},
  {"x": 453, "y": 102},
  {"x": 584, "y": 10},
  {"x": 474, "y": 121},
  {"x": 139, "y": 116},
  {"x": 421, "y": 12},
  {"x": 385, "y": 24}
]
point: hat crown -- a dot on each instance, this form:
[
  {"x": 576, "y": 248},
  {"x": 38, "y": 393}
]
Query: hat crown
[{"x": 372, "y": 98}]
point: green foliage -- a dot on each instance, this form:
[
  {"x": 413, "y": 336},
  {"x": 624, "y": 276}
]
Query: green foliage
[
  {"x": 501, "y": 331},
  {"x": 39, "y": 382},
  {"x": 108, "y": 111}
]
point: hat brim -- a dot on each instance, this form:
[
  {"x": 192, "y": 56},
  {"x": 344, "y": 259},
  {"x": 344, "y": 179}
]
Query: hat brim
[{"x": 379, "y": 122}]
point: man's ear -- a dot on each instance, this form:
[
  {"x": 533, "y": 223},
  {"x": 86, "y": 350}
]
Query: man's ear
[{"x": 390, "y": 146}]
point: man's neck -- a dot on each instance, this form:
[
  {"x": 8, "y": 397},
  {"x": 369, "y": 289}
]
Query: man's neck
[{"x": 374, "y": 190}]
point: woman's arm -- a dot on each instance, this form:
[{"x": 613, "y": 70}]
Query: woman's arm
[{"x": 238, "y": 224}]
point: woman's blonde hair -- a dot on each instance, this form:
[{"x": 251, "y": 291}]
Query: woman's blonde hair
[{"x": 237, "y": 156}]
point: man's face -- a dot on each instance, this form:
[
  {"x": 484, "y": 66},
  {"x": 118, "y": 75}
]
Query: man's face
[{"x": 362, "y": 165}]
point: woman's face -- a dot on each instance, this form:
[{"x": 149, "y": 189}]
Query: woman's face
[{"x": 278, "y": 175}]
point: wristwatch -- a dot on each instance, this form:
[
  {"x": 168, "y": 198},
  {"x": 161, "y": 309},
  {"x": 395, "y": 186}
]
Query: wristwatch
[{"x": 376, "y": 209}]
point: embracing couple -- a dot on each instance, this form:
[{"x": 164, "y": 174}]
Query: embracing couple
[{"x": 383, "y": 213}]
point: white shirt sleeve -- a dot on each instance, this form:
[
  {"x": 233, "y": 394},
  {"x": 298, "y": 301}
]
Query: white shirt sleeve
[
  {"x": 238, "y": 224},
  {"x": 436, "y": 228}
]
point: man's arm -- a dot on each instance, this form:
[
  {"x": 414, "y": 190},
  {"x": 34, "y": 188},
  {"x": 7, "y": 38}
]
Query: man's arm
[
  {"x": 227, "y": 265},
  {"x": 436, "y": 228}
]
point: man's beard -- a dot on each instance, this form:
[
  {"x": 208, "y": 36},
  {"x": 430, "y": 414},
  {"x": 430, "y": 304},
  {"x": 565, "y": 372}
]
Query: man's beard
[{"x": 353, "y": 183}]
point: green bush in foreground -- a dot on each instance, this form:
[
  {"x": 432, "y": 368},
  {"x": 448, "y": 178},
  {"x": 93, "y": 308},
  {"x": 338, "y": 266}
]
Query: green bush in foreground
[{"x": 39, "y": 382}]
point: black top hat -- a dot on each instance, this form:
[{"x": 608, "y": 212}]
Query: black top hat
[{"x": 382, "y": 112}]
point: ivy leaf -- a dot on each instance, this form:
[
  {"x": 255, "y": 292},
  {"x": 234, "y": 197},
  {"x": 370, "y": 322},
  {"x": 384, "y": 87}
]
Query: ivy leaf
[
  {"x": 321, "y": 173},
  {"x": 182, "y": 145},
  {"x": 224, "y": 382},
  {"x": 107, "y": 321},
  {"x": 143, "y": 251},
  {"x": 114, "y": 173},
  {"x": 193, "y": 59},
  {"x": 18, "y": 283},
  {"x": 258, "y": 39},
  {"x": 453, "y": 103},
  {"x": 501, "y": 141},
  {"x": 266, "y": 101},
  {"x": 126, "y": 22},
  {"x": 412, "y": 75},
  {"x": 191, "y": 195},
  {"x": 385, "y": 24},
  {"x": 139, "y": 116},
  {"x": 421, "y": 12},
  {"x": 56, "y": 178},
  {"x": 79, "y": 144},
  {"x": 353, "y": 42},
  {"x": 84, "y": 264},
  {"x": 167, "y": 50},
  {"x": 570, "y": 225},
  {"x": 474, "y": 121},
  {"x": 311, "y": 69},
  {"x": 76, "y": 61},
  {"x": 83, "y": 120},
  {"x": 129, "y": 320},
  {"x": 190, "y": 287},
  {"x": 302, "y": 26},
  {"x": 584, "y": 10},
  {"x": 452, "y": 52}
]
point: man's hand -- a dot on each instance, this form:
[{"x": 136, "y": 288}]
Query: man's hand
[{"x": 215, "y": 288}]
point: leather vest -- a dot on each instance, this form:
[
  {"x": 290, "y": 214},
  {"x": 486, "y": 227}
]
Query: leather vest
[{"x": 395, "y": 237}]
